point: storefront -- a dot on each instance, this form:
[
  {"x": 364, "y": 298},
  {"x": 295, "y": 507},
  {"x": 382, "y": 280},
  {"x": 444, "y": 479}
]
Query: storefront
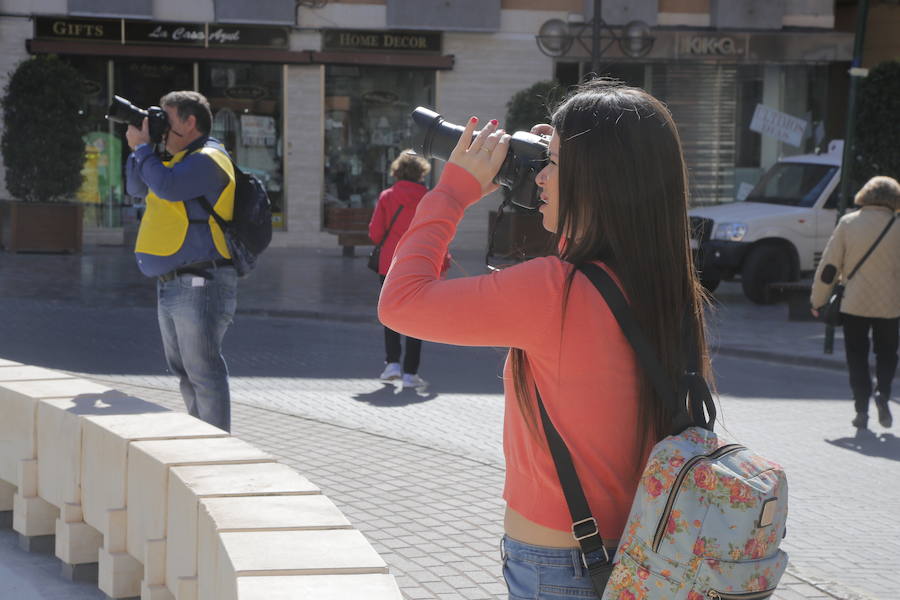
[
  {"x": 267, "y": 102},
  {"x": 367, "y": 110},
  {"x": 714, "y": 81},
  {"x": 239, "y": 68}
]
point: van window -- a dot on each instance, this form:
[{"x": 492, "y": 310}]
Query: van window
[{"x": 792, "y": 184}]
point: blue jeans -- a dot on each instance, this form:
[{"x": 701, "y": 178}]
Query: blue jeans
[
  {"x": 194, "y": 314},
  {"x": 542, "y": 573}
]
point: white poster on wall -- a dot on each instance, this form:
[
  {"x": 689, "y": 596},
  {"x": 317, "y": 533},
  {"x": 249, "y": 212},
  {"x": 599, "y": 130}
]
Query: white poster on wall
[
  {"x": 257, "y": 130},
  {"x": 779, "y": 125}
]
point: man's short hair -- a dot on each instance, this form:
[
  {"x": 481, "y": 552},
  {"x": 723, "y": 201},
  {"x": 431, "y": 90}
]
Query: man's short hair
[
  {"x": 879, "y": 191},
  {"x": 189, "y": 103}
]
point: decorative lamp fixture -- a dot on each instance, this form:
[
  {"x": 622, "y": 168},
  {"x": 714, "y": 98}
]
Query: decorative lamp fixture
[{"x": 555, "y": 37}]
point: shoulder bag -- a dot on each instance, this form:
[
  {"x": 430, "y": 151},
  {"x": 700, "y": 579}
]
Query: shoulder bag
[
  {"x": 375, "y": 255},
  {"x": 831, "y": 311}
]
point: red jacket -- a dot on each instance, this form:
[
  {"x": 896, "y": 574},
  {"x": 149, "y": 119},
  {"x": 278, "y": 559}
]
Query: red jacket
[{"x": 402, "y": 193}]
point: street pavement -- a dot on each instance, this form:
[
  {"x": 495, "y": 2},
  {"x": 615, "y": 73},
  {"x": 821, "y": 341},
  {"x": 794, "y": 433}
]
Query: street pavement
[{"x": 421, "y": 472}]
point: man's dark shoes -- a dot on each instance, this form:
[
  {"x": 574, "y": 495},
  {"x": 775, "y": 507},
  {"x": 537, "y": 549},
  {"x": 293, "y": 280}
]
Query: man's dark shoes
[
  {"x": 861, "y": 421},
  {"x": 884, "y": 410}
]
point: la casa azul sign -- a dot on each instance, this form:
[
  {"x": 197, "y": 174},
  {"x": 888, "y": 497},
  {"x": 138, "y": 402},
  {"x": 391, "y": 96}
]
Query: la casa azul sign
[{"x": 147, "y": 32}]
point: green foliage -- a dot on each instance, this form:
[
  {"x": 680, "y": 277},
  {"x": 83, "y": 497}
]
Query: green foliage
[
  {"x": 877, "y": 137},
  {"x": 532, "y": 105},
  {"x": 43, "y": 121}
]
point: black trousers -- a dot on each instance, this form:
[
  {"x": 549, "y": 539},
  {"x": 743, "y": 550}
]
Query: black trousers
[
  {"x": 393, "y": 349},
  {"x": 856, "y": 344}
]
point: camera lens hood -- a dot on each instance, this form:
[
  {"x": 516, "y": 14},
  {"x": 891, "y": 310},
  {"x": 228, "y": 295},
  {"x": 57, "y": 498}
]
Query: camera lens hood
[
  {"x": 123, "y": 111},
  {"x": 435, "y": 138}
]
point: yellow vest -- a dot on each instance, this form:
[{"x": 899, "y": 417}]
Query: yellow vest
[{"x": 165, "y": 224}]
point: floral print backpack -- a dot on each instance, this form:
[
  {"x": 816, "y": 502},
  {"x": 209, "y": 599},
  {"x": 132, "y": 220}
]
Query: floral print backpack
[{"x": 708, "y": 515}]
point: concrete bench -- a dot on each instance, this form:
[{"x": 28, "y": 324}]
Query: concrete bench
[
  {"x": 349, "y": 239},
  {"x": 159, "y": 505},
  {"x": 350, "y": 225}
]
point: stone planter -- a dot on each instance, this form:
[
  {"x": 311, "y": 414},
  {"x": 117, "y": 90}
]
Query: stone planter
[{"x": 41, "y": 226}]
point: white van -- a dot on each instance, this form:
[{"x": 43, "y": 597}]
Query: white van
[{"x": 778, "y": 232}]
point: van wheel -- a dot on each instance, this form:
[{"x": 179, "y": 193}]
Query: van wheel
[{"x": 764, "y": 265}]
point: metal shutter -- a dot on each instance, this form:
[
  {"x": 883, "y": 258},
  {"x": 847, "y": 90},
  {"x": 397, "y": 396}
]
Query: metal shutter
[{"x": 702, "y": 99}]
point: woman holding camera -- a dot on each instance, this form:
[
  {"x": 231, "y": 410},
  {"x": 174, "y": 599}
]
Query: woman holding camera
[{"x": 614, "y": 193}]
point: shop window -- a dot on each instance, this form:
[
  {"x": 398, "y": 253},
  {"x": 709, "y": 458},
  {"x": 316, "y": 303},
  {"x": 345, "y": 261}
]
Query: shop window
[
  {"x": 246, "y": 104},
  {"x": 747, "y": 143},
  {"x": 367, "y": 125},
  {"x": 101, "y": 192}
]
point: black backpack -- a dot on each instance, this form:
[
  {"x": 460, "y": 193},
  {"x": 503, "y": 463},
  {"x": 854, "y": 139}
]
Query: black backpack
[{"x": 250, "y": 229}]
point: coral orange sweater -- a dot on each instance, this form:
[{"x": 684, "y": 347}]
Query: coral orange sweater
[{"x": 582, "y": 364}]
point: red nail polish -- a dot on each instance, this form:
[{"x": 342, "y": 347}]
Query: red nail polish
[
  {"x": 473, "y": 120},
  {"x": 494, "y": 122}
]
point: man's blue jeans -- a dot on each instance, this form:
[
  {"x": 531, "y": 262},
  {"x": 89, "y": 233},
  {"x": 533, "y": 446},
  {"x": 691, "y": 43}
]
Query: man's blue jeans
[{"x": 194, "y": 314}]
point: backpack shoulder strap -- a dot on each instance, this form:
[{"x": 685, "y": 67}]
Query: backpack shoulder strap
[
  {"x": 216, "y": 146},
  {"x": 692, "y": 386}
]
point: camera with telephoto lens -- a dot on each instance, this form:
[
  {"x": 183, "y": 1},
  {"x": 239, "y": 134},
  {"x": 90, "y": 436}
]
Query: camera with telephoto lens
[
  {"x": 527, "y": 154},
  {"x": 123, "y": 111}
]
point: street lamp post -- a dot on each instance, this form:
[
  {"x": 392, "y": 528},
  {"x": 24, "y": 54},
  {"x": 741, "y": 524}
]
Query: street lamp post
[
  {"x": 856, "y": 73},
  {"x": 556, "y": 37},
  {"x": 596, "y": 32}
]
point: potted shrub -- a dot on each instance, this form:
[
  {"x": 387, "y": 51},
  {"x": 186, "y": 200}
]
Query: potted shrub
[
  {"x": 43, "y": 152},
  {"x": 520, "y": 234}
]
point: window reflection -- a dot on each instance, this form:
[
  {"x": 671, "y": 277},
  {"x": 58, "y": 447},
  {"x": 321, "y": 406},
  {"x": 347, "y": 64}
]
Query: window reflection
[
  {"x": 246, "y": 103},
  {"x": 367, "y": 124}
]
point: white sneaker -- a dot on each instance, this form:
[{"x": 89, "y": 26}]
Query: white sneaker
[
  {"x": 391, "y": 371},
  {"x": 413, "y": 381}
]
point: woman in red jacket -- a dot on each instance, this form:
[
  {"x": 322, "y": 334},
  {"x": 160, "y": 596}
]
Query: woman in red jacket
[{"x": 398, "y": 204}]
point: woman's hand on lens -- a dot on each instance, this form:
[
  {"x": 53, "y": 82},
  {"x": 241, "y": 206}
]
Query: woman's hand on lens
[
  {"x": 483, "y": 157},
  {"x": 542, "y": 129}
]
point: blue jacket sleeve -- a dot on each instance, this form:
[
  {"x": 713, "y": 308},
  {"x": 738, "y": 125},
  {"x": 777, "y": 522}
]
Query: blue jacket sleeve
[
  {"x": 134, "y": 185},
  {"x": 196, "y": 175}
]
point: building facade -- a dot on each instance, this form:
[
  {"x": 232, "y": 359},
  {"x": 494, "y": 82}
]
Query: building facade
[{"x": 314, "y": 96}]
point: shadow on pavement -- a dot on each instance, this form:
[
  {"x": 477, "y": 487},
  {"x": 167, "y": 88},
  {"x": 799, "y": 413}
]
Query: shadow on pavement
[
  {"x": 746, "y": 378},
  {"x": 112, "y": 402},
  {"x": 391, "y": 395},
  {"x": 886, "y": 445}
]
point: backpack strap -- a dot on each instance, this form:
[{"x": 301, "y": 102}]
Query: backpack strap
[
  {"x": 692, "y": 387},
  {"x": 222, "y": 223},
  {"x": 594, "y": 554}
]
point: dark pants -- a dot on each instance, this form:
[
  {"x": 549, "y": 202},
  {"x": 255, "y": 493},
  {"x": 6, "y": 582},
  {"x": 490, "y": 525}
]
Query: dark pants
[
  {"x": 393, "y": 349},
  {"x": 856, "y": 343}
]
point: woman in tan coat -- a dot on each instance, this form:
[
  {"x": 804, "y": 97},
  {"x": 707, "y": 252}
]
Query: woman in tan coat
[{"x": 872, "y": 297}]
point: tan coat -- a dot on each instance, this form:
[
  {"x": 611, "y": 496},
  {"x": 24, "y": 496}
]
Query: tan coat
[{"x": 875, "y": 289}]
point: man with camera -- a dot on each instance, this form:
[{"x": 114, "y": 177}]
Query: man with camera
[{"x": 181, "y": 245}]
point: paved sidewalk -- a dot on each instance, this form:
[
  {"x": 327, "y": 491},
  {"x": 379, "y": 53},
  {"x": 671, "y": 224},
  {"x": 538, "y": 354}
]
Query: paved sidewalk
[
  {"x": 319, "y": 283},
  {"x": 298, "y": 408}
]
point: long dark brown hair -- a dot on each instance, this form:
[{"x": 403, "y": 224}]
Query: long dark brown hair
[{"x": 623, "y": 199}]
